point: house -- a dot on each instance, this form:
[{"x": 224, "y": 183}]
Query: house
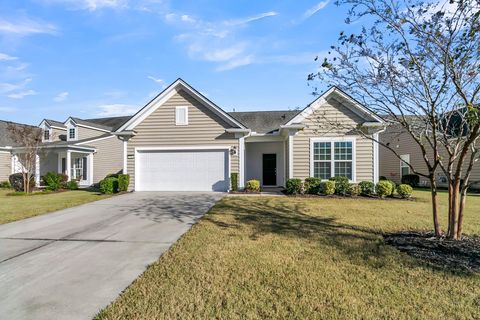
[
  {"x": 393, "y": 168},
  {"x": 182, "y": 141}
]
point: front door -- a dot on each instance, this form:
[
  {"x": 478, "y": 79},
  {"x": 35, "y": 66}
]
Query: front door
[{"x": 269, "y": 169}]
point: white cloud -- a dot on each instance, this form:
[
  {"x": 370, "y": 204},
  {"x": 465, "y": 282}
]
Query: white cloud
[
  {"x": 116, "y": 109},
  {"x": 252, "y": 18},
  {"x": 22, "y": 94},
  {"x": 91, "y": 5},
  {"x": 62, "y": 96},
  {"x": 26, "y": 26},
  {"x": 6, "y": 57},
  {"x": 313, "y": 10},
  {"x": 157, "y": 80},
  {"x": 235, "y": 63}
]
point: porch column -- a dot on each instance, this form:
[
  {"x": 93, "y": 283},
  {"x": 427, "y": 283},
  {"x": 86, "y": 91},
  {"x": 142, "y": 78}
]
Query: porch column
[
  {"x": 37, "y": 170},
  {"x": 291, "y": 133},
  {"x": 125, "y": 170},
  {"x": 241, "y": 162},
  {"x": 90, "y": 168},
  {"x": 376, "y": 169},
  {"x": 69, "y": 164}
]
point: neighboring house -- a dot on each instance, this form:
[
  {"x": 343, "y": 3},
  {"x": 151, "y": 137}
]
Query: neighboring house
[
  {"x": 182, "y": 141},
  {"x": 393, "y": 168}
]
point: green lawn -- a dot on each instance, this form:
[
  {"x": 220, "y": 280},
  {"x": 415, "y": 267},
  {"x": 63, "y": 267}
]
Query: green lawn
[
  {"x": 14, "y": 208},
  {"x": 301, "y": 258}
]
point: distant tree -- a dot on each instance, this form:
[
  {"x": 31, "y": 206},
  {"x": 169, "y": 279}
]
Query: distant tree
[
  {"x": 29, "y": 141},
  {"x": 417, "y": 64}
]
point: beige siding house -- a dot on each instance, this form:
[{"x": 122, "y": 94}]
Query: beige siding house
[
  {"x": 5, "y": 165},
  {"x": 182, "y": 141}
]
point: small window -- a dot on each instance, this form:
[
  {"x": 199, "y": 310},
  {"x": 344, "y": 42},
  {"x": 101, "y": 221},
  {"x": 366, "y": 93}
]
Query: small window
[
  {"x": 46, "y": 135},
  {"x": 404, "y": 167},
  {"x": 181, "y": 116},
  {"x": 71, "y": 133}
]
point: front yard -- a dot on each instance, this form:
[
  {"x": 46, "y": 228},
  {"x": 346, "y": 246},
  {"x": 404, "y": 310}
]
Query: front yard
[
  {"x": 14, "y": 208},
  {"x": 301, "y": 258}
]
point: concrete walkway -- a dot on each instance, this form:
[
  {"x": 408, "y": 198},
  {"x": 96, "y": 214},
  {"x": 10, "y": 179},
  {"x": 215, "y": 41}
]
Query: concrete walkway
[{"x": 72, "y": 263}]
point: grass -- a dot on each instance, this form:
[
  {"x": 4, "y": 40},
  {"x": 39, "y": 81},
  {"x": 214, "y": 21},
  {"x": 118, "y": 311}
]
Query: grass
[
  {"x": 301, "y": 258},
  {"x": 13, "y": 208}
]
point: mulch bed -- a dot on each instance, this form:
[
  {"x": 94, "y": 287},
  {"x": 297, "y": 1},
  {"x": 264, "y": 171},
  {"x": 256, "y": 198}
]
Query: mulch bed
[{"x": 461, "y": 256}]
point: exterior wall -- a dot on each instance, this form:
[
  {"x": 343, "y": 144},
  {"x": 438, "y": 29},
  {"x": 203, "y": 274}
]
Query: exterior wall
[
  {"x": 403, "y": 143},
  {"x": 57, "y": 134},
  {"x": 108, "y": 158},
  {"x": 254, "y": 153},
  {"x": 86, "y": 133},
  {"x": 48, "y": 163},
  {"x": 318, "y": 125},
  {"x": 5, "y": 165},
  {"x": 159, "y": 130}
]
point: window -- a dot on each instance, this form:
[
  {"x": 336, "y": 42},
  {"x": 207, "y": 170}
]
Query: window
[
  {"x": 79, "y": 169},
  {"x": 181, "y": 116},
  {"x": 404, "y": 168},
  {"x": 332, "y": 159},
  {"x": 72, "y": 133},
  {"x": 46, "y": 135}
]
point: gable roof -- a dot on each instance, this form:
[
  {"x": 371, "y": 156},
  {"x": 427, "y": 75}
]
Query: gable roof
[
  {"x": 5, "y": 138},
  {"x": 264, "y": 121},
  {"x": 166, "y": 94},
  {"x": 345, "y": 99},
  {"x": 113, "y": 123},
  {"x": 55, "y": 123}
]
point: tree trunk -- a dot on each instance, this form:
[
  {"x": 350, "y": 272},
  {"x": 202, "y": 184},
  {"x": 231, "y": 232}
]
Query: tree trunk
[
  {"x": 463, "y": 200},
  {"x": 454, "y": 206},
  {"x": 436, "y": 223}
]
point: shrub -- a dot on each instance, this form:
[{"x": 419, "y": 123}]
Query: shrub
[
  {"x": 294, "y": 186},
  {"x": 384, "y": 189},
  {"x": 354, "y": 189},
  {"x": 312, "y": 185},
  {"x": 123, "y": 182},
  {"x": 367, "y": 188},
  {"x": 411, "y": 179},
  {"x": 405, "y": 191},
  {"x": 252, "y": 186},
  {"x": 109, "y": 185},
  {"x": 234, "y": 181},
  {"x": 5, "y": 185},
  {"x": 71, "y": 185},
  {"x": 112, "y": 175},
  {"x": 52, "y": 181},
  {"x": 382, "y": 178},
  {"x": 341, "y": 185},
  {"x": 16, "y": 181},
  {"x": 394, "y": 187},
  {"x": 327, "y": 187}
]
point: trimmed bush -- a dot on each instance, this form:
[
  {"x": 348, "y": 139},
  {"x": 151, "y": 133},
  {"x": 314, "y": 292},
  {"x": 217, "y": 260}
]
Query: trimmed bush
[
  {"x": 341, "y": 185},
  {"x": 16, "y": 181},
  {"x": 5, "y": 185},
  {"x": 109, "y": 185},
  {"x": 112, "y": 175},
  {"x": 327, "y": 187},
  {"x": 394, "y": 187},
  {"x": 234, "y": 181},
  {"x": 252, "y": 186},
  {"x": 312, "y": 185},
  {"x": 294, "y": 186},
  {"x": 405, "y": 191},
  {"x": 367, "y": 188},
  {"x": 354, "y": 189},
  {"x": 71, "y": 185},
  {"x": 384, "y": 189},
  {"x": 411, "y": 179},
  {"x": 52, "y": 181},
  {"x": 123, "y": 182}
]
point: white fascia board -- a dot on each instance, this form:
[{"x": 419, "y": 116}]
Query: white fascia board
[
  {"x": 182, "y": 148},
  {"x": 59, "y": 128},
  {"x": 93, "y": 140},
  {"x": 237, "y": 130},
  {"x": 164, "y": 96},
  {"x": 93, "y": 128}
]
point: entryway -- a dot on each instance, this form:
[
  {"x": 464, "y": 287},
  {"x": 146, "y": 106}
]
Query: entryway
[{"x": 269, "y": 169}]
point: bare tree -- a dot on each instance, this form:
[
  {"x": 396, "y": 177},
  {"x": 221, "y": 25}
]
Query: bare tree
[
  {"x": 417, "y": 64},
  {"x": 29, "y": 142}
]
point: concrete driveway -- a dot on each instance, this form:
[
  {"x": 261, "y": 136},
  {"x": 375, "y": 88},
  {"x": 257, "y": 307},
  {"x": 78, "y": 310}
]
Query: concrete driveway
[{"x": 72, "y": 263}]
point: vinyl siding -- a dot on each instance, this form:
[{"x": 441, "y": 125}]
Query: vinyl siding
[
  {"x": 159, "y": 130},
  {"x": 5, "y": 165},
  {"x": 86, "y": 133},
  {"x": 57, "y": 133},
  {"x": 403, "y": 143},
  {"x": 318, "y": 125},
  {"x": 108, "y": 158}
]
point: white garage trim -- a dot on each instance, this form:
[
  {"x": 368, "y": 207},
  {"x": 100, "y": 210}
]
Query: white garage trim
[{"x": 183, "y": 148}]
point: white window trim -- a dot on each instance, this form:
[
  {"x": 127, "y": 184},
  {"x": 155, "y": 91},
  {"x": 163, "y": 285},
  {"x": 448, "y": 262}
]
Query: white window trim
[
  {"x": 407, "y": 160},
  {"x": 186, "y": 116},
  {"x": 49, "y": 134},
  {"x": 353, "y": 140},
  {"x": 68, "y": 134}
]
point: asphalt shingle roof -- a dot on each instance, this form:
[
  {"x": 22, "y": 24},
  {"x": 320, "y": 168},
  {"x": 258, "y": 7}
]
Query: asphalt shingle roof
[
  {"x": 5, "y": 137},
  {"x": 264, "y": 121}
]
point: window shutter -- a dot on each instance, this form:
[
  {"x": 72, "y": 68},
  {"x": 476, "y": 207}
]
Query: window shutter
[
  {"x": 181, "y": 115},
  {"x": 84, "y": 173}
]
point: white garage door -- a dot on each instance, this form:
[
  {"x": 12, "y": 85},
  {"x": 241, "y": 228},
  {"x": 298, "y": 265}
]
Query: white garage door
[{"x": 182, "y": 170}]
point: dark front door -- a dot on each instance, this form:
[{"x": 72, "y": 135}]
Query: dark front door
[{"x": 269, "y": 169}]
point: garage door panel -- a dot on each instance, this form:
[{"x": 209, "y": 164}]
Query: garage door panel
[{"x": 189, "y": 170}]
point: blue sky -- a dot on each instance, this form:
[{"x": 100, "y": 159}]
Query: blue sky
[{"x": 93, "y": 58}]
